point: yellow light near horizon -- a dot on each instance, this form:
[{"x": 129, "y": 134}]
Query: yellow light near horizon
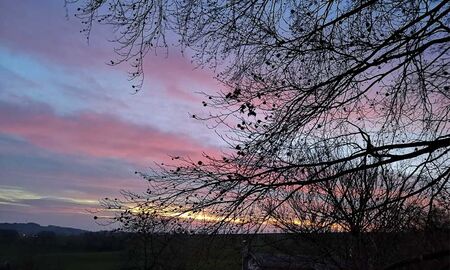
[{"x": 173, "y": 212}]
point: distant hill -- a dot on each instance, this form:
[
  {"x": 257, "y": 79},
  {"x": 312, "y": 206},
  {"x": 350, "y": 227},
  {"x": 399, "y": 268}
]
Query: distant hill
[{"x": 33, "y": 228}]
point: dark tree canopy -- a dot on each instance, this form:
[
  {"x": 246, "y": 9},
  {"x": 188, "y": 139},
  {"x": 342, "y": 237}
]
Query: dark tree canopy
[{"x": 341, "y": 106}]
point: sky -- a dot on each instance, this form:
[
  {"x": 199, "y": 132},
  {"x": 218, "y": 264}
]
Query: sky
[{"x": 71, "y": 129}]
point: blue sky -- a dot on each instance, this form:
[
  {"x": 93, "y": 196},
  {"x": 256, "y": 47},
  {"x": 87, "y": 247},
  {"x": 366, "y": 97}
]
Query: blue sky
[{"x": 71, "y": 131}]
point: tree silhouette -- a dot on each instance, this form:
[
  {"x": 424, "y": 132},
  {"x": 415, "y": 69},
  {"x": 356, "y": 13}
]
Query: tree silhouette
[
  {"x": 366, "y": 204},
  {"x": 151, "y": 231},
  {"x": 318, "y": 96}
]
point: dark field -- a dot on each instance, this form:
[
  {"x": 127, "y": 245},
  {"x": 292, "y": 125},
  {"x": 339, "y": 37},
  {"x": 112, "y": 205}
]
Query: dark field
[
  {"x": 118, "y": 251},
  {"x": 105, "y": 250}
]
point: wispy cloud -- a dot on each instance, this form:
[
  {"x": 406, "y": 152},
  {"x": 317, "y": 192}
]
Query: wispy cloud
[{"x": 21, "y": 197}]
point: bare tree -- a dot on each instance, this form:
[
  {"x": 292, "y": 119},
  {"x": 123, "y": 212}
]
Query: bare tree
[
  {"x": 364, "y": 204},
  {"x": 367, "y": 201},
  {"x": 150, "y": 231},
  {"x": 315, "y": 94}
]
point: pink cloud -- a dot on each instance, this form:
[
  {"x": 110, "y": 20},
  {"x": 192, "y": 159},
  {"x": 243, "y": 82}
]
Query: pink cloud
[
  {"x": 95, "y": 135},
  {"x": 180, "y": 77}
]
